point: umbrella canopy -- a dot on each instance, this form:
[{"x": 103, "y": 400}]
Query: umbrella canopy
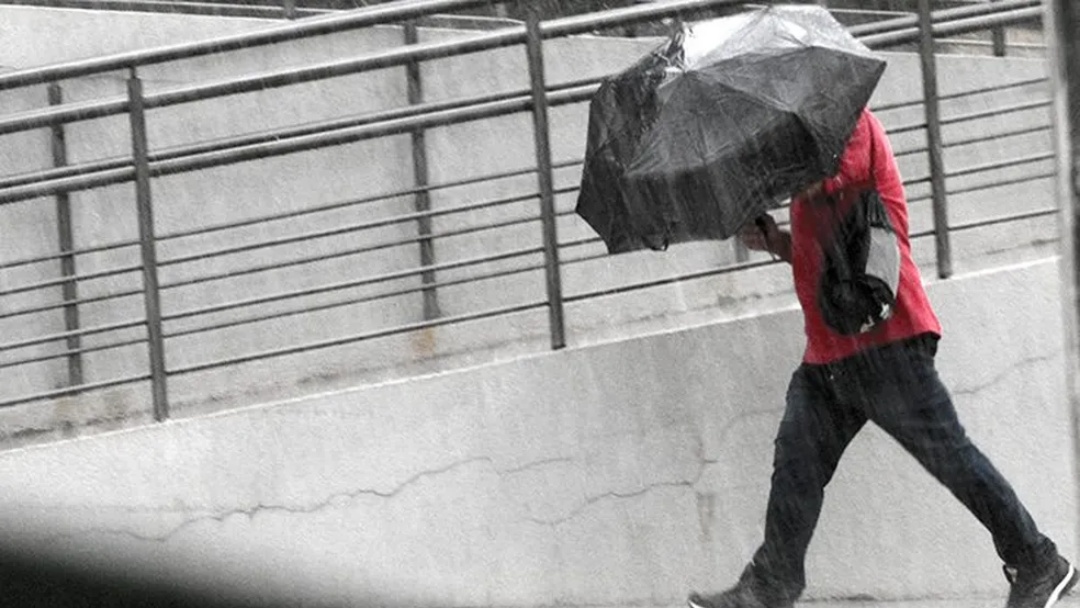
[{"x": 720, "y": 123}]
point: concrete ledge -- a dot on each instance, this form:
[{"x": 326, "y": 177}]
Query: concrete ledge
[{"x": 620, "y": 473}]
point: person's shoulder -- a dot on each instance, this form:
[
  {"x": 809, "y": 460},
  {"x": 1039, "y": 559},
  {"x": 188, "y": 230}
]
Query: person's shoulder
[{"x": 869, "y": 121}]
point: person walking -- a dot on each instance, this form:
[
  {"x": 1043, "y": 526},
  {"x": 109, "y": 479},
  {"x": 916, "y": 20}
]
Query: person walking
[{"x": 885, "y": 375}]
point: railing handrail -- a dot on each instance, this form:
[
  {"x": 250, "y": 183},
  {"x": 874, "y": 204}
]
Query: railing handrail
[
  {"x": 946, "y": 21},
  {"x": 955, "y": 26},
  {"x": 379, "y": 14},
  {"x": 512, "y": 35},
  {"x": 404, "y": 11},
  {"x": 948, "y": 14},
  {"x": 392, "y": 58}
]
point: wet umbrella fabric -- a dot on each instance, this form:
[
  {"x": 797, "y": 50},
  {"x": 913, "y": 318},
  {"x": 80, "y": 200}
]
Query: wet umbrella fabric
[{"x": 720, "y": 123}]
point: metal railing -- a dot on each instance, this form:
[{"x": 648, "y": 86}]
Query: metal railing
[
  {"x": 552, "y": 257},
  {"x": 294, "y": 9}
]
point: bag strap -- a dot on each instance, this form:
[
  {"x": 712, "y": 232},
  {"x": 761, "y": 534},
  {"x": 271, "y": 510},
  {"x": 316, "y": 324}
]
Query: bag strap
[{"x": 836, "y": 247}]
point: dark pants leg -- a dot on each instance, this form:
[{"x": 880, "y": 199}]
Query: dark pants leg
[
  {"x": 911, "y": 404},
  {"x": 897, "y": 387},
  {"x": 815, "y": 431}
]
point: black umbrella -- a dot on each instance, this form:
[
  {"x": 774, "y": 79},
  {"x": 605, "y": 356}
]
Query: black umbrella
[{"x": 720, "y": 123}]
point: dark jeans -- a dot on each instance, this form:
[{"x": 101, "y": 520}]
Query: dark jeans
[{"x": 897, "y": 388}]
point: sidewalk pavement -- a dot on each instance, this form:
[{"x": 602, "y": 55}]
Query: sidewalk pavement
[{"x": 1072, "y": 601}]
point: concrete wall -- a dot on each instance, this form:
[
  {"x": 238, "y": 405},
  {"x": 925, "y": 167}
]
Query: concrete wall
[{"x": 624, "y": 473}]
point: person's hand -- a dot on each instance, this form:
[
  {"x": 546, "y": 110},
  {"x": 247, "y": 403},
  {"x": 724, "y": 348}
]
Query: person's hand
[
  {"x": 759, "y": 234},
  {"x": 814, "y": 193}
]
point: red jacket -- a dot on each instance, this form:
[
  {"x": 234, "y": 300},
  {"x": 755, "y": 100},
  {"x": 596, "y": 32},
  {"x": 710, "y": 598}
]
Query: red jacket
[{"x": 867, "y": 162}]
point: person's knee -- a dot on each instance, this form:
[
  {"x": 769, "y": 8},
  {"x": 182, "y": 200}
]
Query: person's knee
[
  {"x": 800, "y": 468},
  {"x": 957, "y": 459}
]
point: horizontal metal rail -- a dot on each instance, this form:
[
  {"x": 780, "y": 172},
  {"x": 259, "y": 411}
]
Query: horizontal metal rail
[
  {"x": 976, "y": 115},
  {"x": 315, "y": 26},
  {"x": 276, "y": 135},
  {"x": 689, "y": 276},
  {"x": 65, "y": 303},
  {"x": 983, "y": 168},
  {"x": 387, "y": 59},
  {"x": 264, "y": 220},
  {"x": 72, "y": 351},
  {"x": 389, "y": 276},
  {"x": 400, "y": 292},
  {"x": 293, "y": 239},
  {"x": 977, "y": 139},
  {"x": 995, "y": 112},
  {"x": 346, "y": 135},
  {"x": 389, "y": 221},
  {"x": 393, "y": 58},
  {"x": 750, "y": 265},
  {"x": 63, "y": 254},
  {"x": 438, "y": 284},
  {"x": 287, "y": 215},
  {"x": 382, "y": 333},
  {"x": 1028, "y": 46},
  {"x": 412, "y": 217},
  {"x": 1003, "y": 219},
  {"x": 164, "y": 6},
  {"x": 346, "y": 229},
  {"x": 965, "y": 94},
  {"x": 1003, "y": 182},
  {"x": 987, "y": 186},
  {"x": 75, "y": 390},
  {"x": 284, "y": 10},
  {"x": 297, "y": 144},
  {"x": 86, "y": 331},
  {"x": 351, "y": 135},
  {"x": 1001, "y": 164},
  {"x": 69, "y": 279},
  {"x": 952, "y": 28},
  {"x": 359, "y": 250},
  {"x": 912, "y": 20}
]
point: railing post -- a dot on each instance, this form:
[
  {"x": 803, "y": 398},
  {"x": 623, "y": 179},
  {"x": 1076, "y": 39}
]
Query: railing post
[
  {"x": 997, "y": 36},
  {"x": 148, "y": 246},
  {"x": 422, "y": 201},
  {"x": 289, "y": 8},
  {"x": 544, "y": 174},
  {"x": 933, "y": 141},
  {"x": 70, "y": 289},
  {"x": 1062, "y": 27}
]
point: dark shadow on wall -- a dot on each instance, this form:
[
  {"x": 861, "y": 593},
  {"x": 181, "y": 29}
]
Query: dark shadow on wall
[{"x": 30, "y": 580}]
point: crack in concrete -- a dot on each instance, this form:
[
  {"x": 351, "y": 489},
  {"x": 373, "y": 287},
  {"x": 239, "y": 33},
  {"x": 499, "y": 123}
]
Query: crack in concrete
[
  {"x": 703, "y": 463},
  {"x": 252, "y": 511},
  {"x": 534, "y": 465},
  {"x": 592, "y": 500},
  {"x": 1005, "y": 373}
]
